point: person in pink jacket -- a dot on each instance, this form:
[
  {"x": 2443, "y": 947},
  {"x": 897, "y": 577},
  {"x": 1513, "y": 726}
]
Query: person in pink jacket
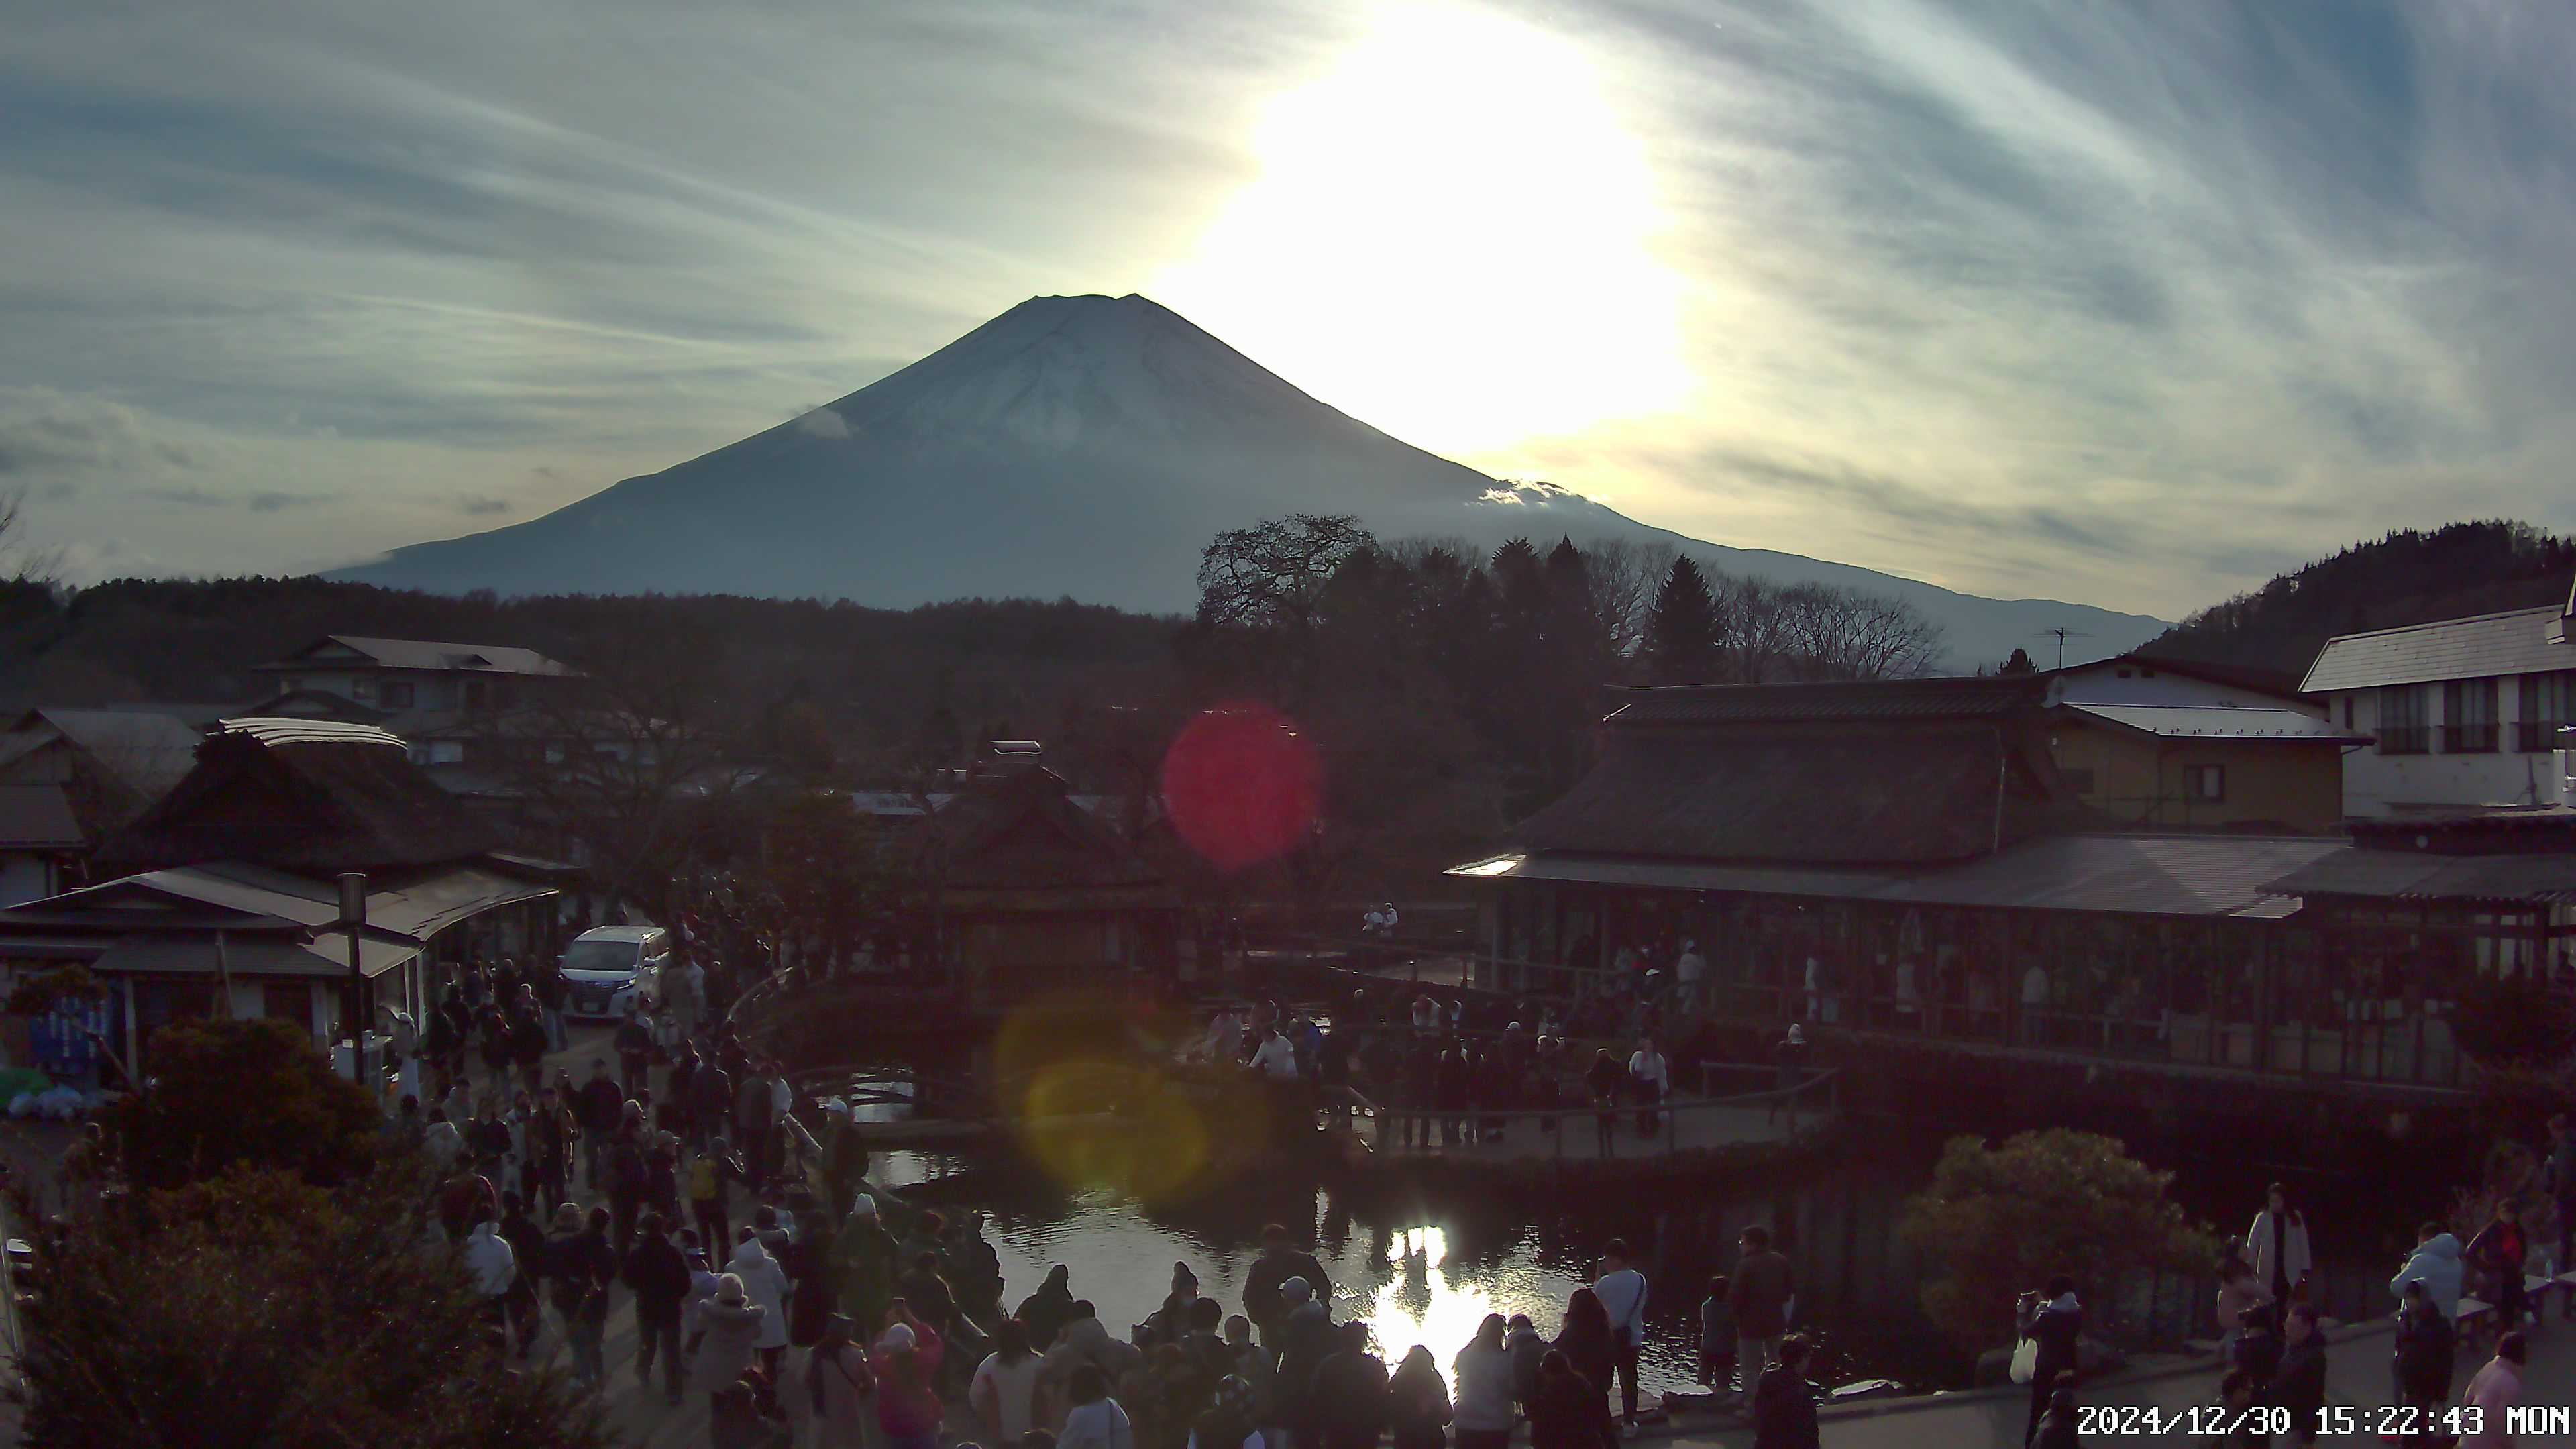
[{"x": 2496, "y": 1388}]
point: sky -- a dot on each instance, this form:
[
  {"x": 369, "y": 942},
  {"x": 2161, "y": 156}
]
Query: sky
[{"x": 2127, "y": 304}]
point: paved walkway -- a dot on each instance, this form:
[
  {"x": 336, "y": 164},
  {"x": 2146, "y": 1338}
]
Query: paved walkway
[{"x": 2357, "y": 1379}]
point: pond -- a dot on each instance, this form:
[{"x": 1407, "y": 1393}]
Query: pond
[{"x": 1424, "y": 1264}]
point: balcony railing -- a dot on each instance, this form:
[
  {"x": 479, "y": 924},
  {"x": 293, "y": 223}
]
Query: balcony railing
[
  {"x": 2469, "y": 739},
  {"x": 2537, "y": 736},
  {"x": 2405, "y": 740}
]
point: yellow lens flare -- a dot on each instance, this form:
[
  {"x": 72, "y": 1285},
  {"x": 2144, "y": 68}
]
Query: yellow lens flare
[{"x": 1096, "y": 1096}]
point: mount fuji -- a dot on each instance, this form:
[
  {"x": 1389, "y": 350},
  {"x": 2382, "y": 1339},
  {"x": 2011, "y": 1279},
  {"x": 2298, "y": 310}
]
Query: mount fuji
[{"x": 1081, "y": 446}]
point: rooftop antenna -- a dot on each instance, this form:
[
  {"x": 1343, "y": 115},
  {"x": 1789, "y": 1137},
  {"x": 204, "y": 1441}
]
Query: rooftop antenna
[{"x": 2063, "y": 634}]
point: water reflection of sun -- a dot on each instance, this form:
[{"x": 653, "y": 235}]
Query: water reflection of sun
[{"x": 1425, "y": 1301}]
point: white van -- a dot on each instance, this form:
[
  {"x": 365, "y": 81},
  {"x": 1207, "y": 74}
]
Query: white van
[{"x": 612, "y": 968}]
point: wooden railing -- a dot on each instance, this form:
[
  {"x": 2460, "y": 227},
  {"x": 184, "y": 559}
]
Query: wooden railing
[{"x": 1409, "y": 1130}]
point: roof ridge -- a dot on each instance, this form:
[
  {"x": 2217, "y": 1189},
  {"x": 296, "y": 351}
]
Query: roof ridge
[{"x": 2551, "y": 610}]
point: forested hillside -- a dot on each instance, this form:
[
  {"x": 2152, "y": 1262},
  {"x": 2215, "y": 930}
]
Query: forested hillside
[{"x": 2407, "y": 577}]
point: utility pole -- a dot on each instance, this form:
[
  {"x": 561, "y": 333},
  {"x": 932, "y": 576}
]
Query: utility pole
[{"x": 353, "y": 1000}]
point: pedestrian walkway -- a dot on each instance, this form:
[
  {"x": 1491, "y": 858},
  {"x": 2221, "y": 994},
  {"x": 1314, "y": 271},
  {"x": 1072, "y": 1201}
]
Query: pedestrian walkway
[{"x": 2357, "y": 1379}]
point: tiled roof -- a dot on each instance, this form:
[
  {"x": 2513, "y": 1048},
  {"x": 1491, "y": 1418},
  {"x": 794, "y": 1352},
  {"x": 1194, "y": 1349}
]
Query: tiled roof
[
  {"x": 427, "y": 654},
  {"x": 1877, "y": 699},
  {"x": 2161, "y": 875},
  {"x": 1906, "y": 792},
  {"x": 146, "y": 752},
  {"x": 2384, "y": 874},
  {"x": 2488, "y": 645},
  {"x": 2205, "y": 722}
]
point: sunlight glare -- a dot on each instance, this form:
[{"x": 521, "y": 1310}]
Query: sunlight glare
[
  {"x": 1412, "y": 1308},
  {"x": 1450, "y": 241}
]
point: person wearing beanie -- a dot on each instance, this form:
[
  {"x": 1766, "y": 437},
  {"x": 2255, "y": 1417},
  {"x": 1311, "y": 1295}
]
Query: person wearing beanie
[{"x": 727, "y": 1329}]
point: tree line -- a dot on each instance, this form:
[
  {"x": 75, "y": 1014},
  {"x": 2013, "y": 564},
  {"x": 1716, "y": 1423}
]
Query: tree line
[{"x": 1452, "y": 691}]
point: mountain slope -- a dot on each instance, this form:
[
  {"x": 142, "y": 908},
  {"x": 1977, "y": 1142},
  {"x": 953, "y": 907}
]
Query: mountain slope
[{"x": 1081, "y": 446}]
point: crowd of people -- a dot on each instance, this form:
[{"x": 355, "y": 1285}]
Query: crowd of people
[{"x": 1433, "y": 1077}]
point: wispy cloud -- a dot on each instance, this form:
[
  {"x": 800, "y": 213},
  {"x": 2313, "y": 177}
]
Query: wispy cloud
[{"x": 2127, "y": 302}]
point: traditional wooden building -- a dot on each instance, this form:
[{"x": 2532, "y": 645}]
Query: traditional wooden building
[
  {"x": 1908, "y": 861},
  {"x": 227, "y": 896},
  {"x": 1033, "y": 893}
]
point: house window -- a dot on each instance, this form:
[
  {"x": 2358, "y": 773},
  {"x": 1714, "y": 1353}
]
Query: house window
[
  {"x": 446, "y": 752},
  {"x": 476, "y": 697},
  {"x": 2079, "y": 780},
  {"x": 396, "y": 694},
  {"x": 361, "y": 687},
  {"x": 2469, "y": 717},
  {"x": 2208, "y": 782},
  {"x": 2401, "y": 720},
  {"x": 2548, "y": 702}
]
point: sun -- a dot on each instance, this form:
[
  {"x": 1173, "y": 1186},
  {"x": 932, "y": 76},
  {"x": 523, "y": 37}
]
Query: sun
[{"x": 1450, "y": 239}]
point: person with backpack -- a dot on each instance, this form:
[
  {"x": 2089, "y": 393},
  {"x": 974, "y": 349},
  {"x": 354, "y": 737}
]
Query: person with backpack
[
  {"x": 840, "y": 1387},
  {"x": 579, "y": 1267},
  {"x": 599, "y": 1106},
  {"x": 2055, "y": 1320},
  {"x": 1622, "y": 1291},
  {"x": 2420, "y": 1360}
]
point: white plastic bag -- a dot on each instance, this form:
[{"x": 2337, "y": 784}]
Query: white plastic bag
[{"x": 2025, "y": 1361}]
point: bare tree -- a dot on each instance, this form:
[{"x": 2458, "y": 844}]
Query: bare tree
[
  {"x": 1272, "y": 575},
  {"x": 1623, "y": 575},
  {"x": 1847, "y": 634},
  {"x": 20, "y": 564},
  {"x": 621, "y": 760},
  {"x": 1754, "y": 628}
]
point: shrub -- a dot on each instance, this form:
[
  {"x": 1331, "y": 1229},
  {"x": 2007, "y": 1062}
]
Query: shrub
[
  {"x": 254, "y": 1309},
  {"x": 243, "y": 1093},
  {"x": 2001, "y": 1220}
]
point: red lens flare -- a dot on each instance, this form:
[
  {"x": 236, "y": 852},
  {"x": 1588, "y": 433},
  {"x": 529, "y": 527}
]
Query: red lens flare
[{"x": 1242, "y": 785}]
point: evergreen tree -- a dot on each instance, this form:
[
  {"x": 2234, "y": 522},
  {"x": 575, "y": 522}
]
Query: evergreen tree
[
  {"x": 1681, "y": 636},
  {"x": 2019, "y": 663}
]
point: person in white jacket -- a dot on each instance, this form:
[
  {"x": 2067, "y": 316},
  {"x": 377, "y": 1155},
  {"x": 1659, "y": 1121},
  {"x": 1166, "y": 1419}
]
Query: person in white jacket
[
  {"x": 2277, "y": 1247},
  {"x": 492, "y": 1264},
  {"x": 764, "y": 1285}
]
